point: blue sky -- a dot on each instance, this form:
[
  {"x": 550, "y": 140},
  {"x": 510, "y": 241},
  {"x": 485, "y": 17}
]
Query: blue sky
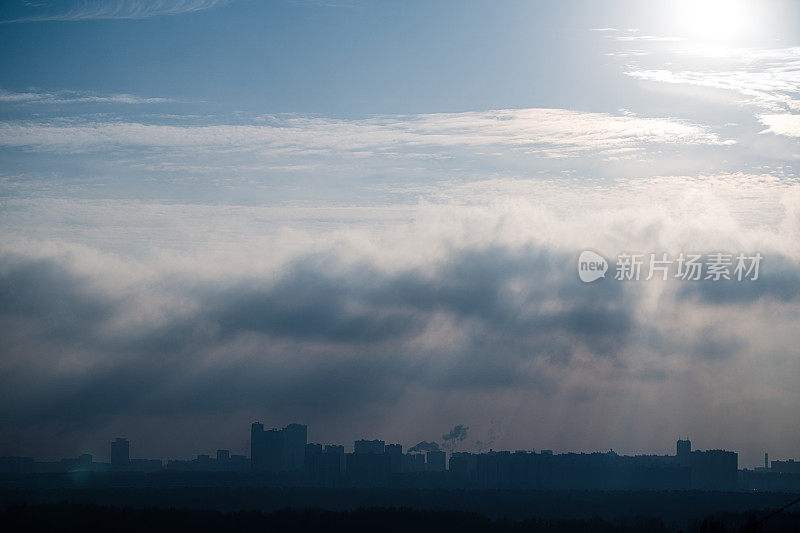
[
  {"x": 347, "y": 58},
  {"x": 365, "y": 216},
  {"x": 315, "y": 57}
]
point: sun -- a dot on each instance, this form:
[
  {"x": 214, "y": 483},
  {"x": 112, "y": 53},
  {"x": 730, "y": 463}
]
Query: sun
[{"x": 715, "y": 20}]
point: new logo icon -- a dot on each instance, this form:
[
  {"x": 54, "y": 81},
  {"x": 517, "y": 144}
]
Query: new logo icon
[{"x": 591, "y": 266}]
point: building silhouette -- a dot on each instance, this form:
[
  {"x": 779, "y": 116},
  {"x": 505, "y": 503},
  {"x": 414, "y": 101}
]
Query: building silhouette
[
  {"x": 369, "y": 464},
  {"x": 277, "y": 450},
  {"x": 395, "y": 453},
  {"x": 683, "y": 449},
  {"x": 709, "y": 470},
  {"x": 295, "y": 437},
  {"x": 282, "y": 457},
  {"x": 120, "y": 454},
  {"x": 786, "y": 467},
  {"x": 436, "y": 461},
  {"x": 369, "y": 447}
]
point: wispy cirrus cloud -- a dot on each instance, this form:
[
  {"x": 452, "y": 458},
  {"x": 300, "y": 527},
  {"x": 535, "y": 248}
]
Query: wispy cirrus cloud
[
  {"x": 74, "y": 97},
  {"x": 633, "y": 34},
  {"x": 545, "y": 132},
  {"x": 772, "y": 89},
  {"x": 650, "y": 38},
  {"x": 766, "y": 79},
  {"x": 116, "y": 9}
]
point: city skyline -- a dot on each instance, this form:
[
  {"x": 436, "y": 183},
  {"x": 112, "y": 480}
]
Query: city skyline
[
  {"x": 460, "y": 447},
  {"x": 285, "y": 457}
]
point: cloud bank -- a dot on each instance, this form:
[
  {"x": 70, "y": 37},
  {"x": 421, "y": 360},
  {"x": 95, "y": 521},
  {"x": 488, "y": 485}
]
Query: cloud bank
[{"x": 470, "y": 311}]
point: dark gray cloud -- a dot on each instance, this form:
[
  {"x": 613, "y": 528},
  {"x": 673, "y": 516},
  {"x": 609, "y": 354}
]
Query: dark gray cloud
[
  {"x": 778, "y": 281},
  {"x": 315, "y": 342},
  {"x": 58, "y": 300},
  {"x": 307, "y": 304}
]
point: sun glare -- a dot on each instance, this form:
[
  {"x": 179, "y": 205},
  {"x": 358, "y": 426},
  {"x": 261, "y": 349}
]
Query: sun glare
[{"x": 715, "y": 20}]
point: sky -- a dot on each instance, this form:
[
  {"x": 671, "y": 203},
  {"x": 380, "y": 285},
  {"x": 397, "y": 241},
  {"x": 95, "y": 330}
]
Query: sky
[{"x": 366, "y": 216}]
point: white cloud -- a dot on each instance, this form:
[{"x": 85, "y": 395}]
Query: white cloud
[
  {"x": 115, "y": 9},
  {"x": 768, "y": 79},
  {"x": 769, "y": 89},
  {"x": 650, "y": 38},
  {"x": 74, "y": 97},
  {"x": 785, "y": 124},
  {"x": 546, "y": 132},
  {"x": 707, "y": 211}
]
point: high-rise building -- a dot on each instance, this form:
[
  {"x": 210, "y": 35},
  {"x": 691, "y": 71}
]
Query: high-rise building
[
  {"x": 257, "y": 451},
  {"x": 120, "y": 454},
  {"x": 786, "y": 467},
  {"x": 333, "y": 463},
  {"x": 272, "y": 444},
  {"x": 277, "y": 450},
  {"x": 437, "y": 459},
  {"x": 295, "y": 437},
  {"x": 395, "y": 453},
  {"x": 374, "y": 447},
  {"x": 463, "y": 464},
  {"x": 714, "y": 469},
  {"x": 683, "y": 449},
  {"x": 414, "y": 462}
]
